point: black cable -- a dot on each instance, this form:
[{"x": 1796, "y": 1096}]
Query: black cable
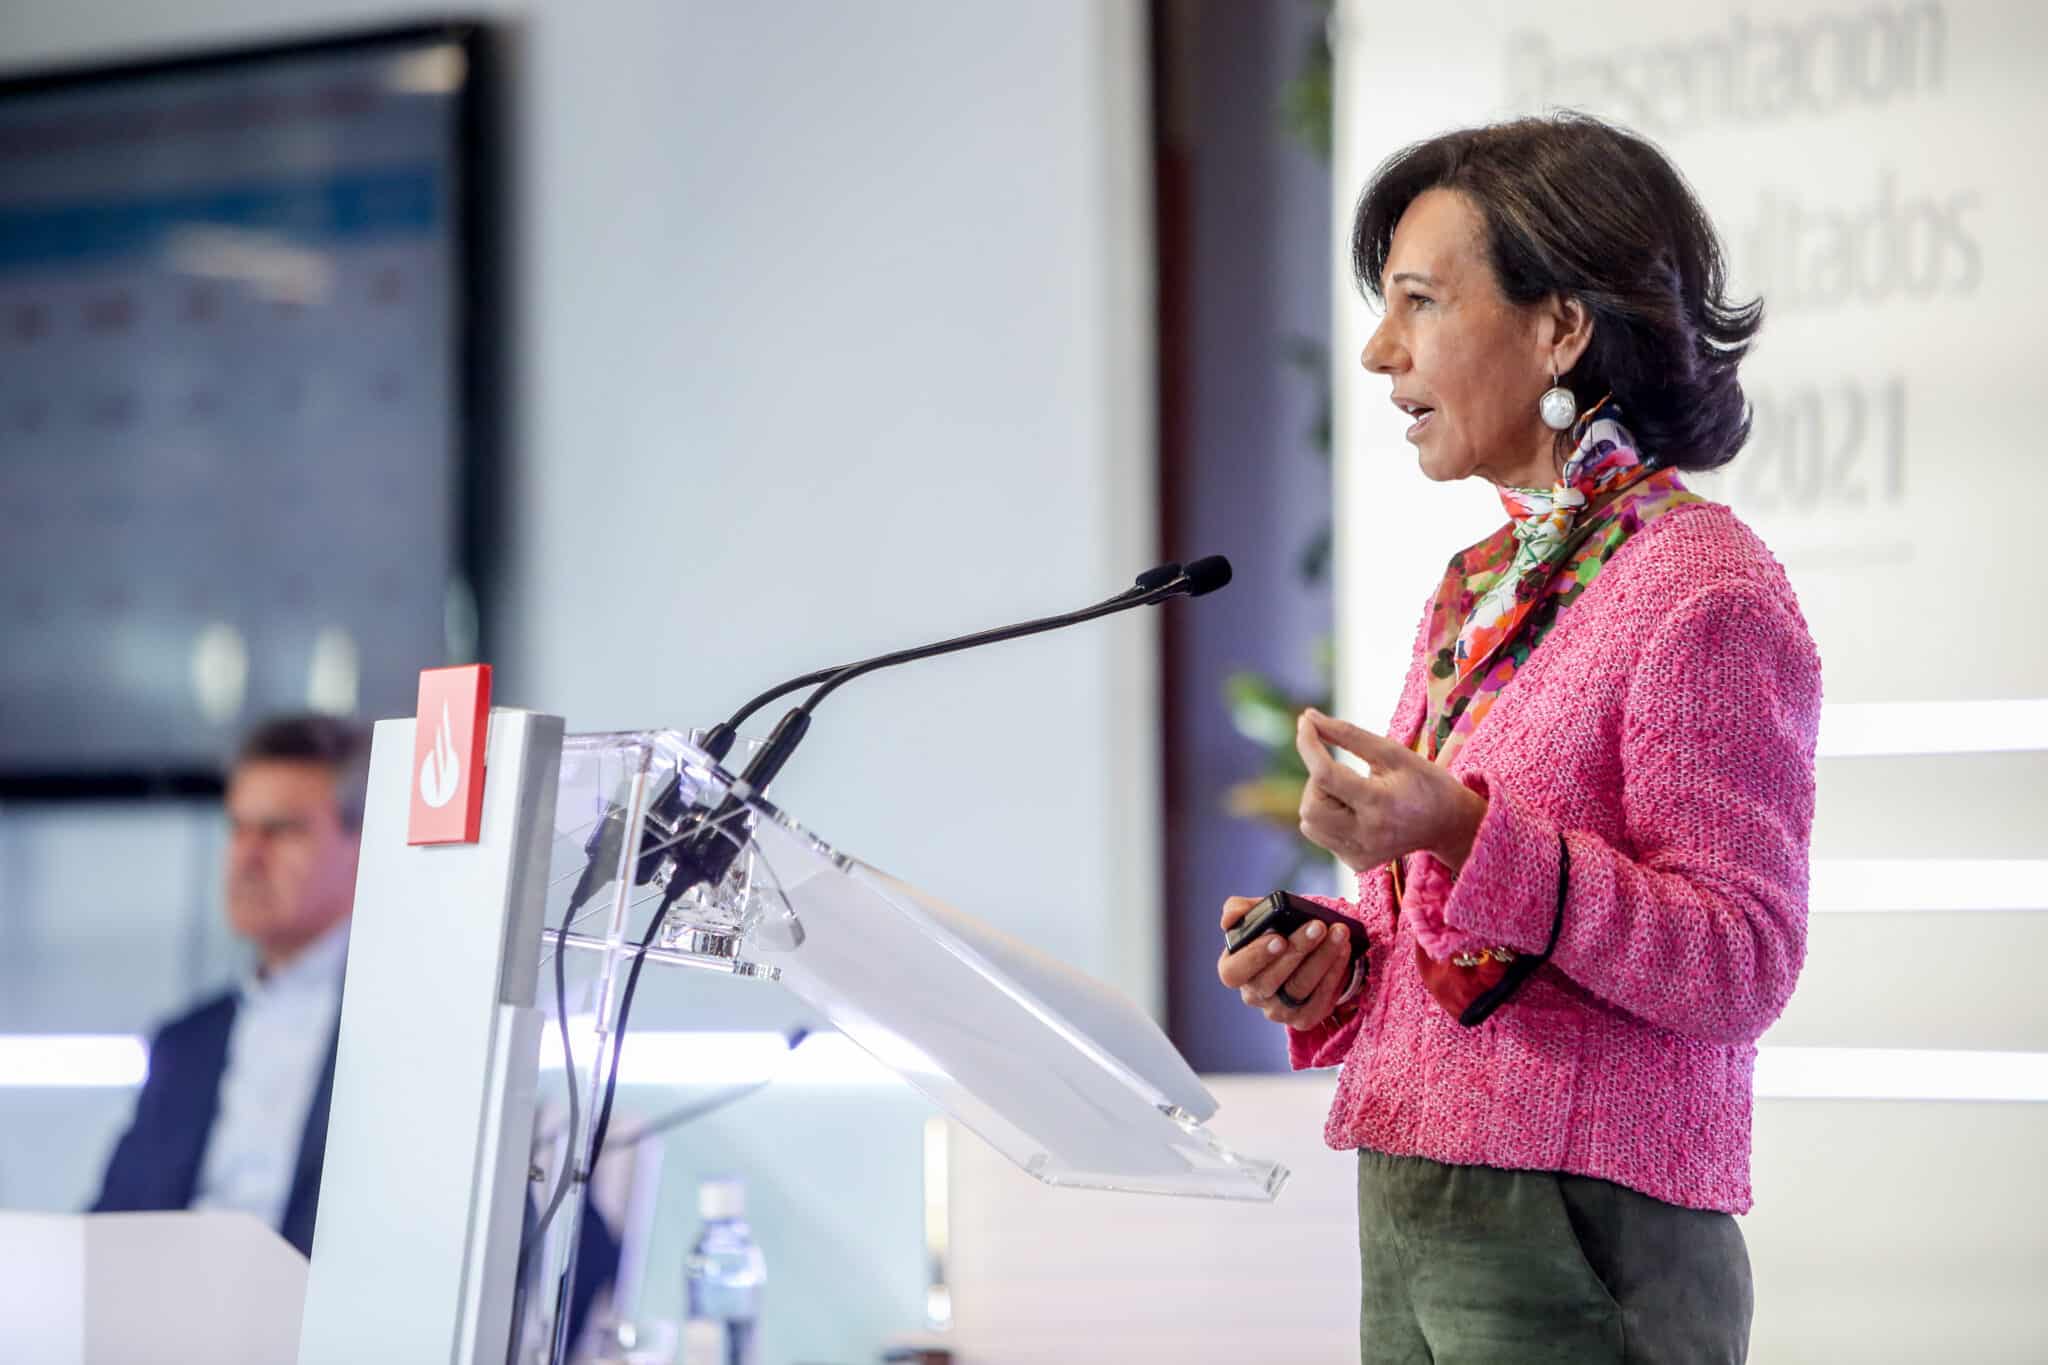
[
  {"x": 533, "y": 1241},
  {"x": 739, "y": 717},
  {"x": 655, "y": 1127},
  {"x": 585, "y": 888},
  {"x": 611, "y": 1082},
  {"x": 677, "y": 889},
  {"x": 688, "y": 872},
  {"x": 587, "y": 885}
]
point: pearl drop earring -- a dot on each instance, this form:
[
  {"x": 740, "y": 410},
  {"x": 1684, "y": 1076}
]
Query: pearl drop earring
[{"x": 1557, "y": 406}]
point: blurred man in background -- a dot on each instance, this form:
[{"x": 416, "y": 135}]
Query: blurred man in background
[{"x": 234, "y": 1113}]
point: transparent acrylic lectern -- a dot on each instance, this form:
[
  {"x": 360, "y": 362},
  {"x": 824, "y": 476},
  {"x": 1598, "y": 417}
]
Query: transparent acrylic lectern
[{"x": 1060, "y": 1073}]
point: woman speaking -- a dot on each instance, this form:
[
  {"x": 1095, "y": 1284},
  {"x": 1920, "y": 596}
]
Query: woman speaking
[{"x": 1581, "y": 846}]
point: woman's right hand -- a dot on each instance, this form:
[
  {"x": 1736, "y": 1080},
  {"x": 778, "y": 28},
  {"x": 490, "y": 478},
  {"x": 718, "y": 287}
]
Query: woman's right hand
[{"x": 1311, "y": 964}]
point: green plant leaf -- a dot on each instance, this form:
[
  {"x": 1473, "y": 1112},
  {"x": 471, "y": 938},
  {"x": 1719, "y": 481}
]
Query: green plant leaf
[
  {"x": 1260, "y": 710},
  {"x": 1272, "y": 800},
  {"x": 1306, "y": 102}
]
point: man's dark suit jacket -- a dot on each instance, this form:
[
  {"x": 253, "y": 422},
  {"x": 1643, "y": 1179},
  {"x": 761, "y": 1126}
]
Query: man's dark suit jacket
[{"x": 156, "y": 1165}]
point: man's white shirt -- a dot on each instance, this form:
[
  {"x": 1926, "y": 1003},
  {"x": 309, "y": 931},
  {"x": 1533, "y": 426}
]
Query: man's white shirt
[{"x": 277, "y": 1048}]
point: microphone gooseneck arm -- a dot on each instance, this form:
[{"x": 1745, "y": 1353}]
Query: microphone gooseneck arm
[
  {"x": 718, "y": 740},
  {"x": 847, "y": 673},
  {"x": 1153, "y": 586},
  {"x": 782, "y": 741}
]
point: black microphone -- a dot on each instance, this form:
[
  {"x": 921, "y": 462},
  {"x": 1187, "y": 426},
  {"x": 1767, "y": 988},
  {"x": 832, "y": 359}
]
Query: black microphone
[
  {"x": 1154, "y": 578},
  {"x": 1205, "y": 576}
]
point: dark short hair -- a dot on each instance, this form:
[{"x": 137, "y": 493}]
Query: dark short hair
[
  {"x": 335, "y": 742},
  {"x": 1577, "y": 207}
]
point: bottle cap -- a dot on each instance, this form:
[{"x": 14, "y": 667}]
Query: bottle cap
[{"x": 721, "y": 1199}]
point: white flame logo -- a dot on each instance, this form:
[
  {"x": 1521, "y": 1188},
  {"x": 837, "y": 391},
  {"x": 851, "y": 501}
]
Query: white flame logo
[{"x": 441, "y": 771}]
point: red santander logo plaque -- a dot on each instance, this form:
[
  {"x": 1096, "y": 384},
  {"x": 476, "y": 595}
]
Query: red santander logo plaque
[{"x": 448, "y": 755}]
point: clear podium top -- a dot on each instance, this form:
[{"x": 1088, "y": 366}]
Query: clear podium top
[{"x": 1060, "y": 1073}]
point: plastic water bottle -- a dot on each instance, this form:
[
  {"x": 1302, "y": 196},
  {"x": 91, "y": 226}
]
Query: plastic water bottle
[{"x": 725, "y": 1271}]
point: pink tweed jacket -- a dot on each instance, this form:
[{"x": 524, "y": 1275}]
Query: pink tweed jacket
[{"x": 1666, "y": 727}]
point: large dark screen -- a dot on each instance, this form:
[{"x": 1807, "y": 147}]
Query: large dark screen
[{"x": 232, "y": 413}]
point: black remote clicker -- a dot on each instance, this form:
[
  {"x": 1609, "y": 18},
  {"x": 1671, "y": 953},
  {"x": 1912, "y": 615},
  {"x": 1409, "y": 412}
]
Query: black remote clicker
[{"x": 1282, "y": 913}]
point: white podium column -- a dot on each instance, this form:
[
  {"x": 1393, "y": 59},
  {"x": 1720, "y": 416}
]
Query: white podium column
[{"x": 426, "y": 1171}]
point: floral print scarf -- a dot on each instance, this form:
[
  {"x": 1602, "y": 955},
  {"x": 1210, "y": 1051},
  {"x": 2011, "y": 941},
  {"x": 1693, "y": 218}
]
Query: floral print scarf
[
  {"x": 1497, "y": 602},
  {"x": 1499, "y": 598}
]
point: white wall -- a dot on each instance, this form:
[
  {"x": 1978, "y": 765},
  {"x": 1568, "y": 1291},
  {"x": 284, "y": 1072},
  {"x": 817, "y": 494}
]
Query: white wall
[
  {"x": 833, "y": 335},
  {"x": 838, "y": 339},
  {"x": 1859, "y": 162}
]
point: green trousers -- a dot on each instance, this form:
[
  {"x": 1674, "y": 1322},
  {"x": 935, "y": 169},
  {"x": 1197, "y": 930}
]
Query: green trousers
[{"x": 1468, "y": 1265}]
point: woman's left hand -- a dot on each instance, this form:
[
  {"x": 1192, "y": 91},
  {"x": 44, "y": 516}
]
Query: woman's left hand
[{"x": 1407, "y": 803}]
